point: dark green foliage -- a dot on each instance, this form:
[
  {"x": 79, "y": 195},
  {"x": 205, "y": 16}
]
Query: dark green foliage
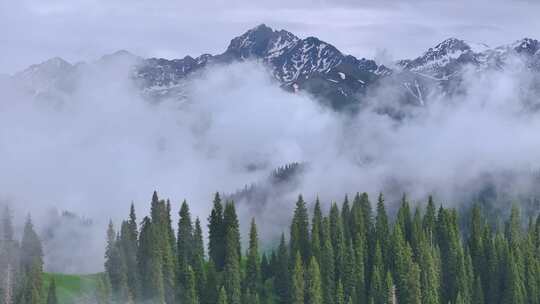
[
  {"x": 382, "y": 231},
  {"x": 300, "y": 232},
  {"x": 232, "y": 239},
  {"x": 313, "y": 283},
  {"x": 282, "y": 274},
  {"x": 211, "y": 289},
  {"x": 150, "y": 262},
  {"x": 216, "y": 234},
  {"x": 344, "y": 257},
  {"x": 232, "y": 277},
  {"x": 327, "y": 265},
  {"x": 297, "y": 286},
  {"x": 222, "y": 299},
  {"x": 185, "y": 242},
  {"x": 253, "y": 264},
  {"x": 198, "y": 262},
  {"x": 189, "y": 293}
]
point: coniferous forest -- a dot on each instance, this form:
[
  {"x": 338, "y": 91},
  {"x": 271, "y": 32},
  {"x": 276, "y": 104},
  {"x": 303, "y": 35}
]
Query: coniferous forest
[{"x": 352, "y": 253}]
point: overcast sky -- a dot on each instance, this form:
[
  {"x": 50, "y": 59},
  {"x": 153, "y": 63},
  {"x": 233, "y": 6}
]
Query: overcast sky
[{"x": 32, "y": 31}]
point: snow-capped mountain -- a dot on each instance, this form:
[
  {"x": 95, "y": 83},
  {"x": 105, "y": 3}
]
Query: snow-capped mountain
[
  {"x": 309, "y": 65},
  {"x": 440, "y": 70},
  {"x": 297, "y": 64}
]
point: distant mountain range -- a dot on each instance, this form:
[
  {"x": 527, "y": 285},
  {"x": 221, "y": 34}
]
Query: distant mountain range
[{"x": 309, "y": 65}]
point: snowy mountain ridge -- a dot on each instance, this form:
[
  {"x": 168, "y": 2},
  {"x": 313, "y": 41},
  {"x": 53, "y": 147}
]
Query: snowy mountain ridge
[{"x": 310, "y": 65}]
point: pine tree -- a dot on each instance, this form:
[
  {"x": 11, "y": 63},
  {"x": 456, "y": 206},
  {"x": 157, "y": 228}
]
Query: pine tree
[
  {"x": 382, "y": 230},
  {"x": 377, "y": 292},
  {"x": 389, "y": 289},
  {"x": 513, "y": 229},
  {"x": 169, "y": 270},
  {"x": 299, "y": 241},
  {"x": 230, "y": 223},
  {"x": 340, "y": 296},
  {"x": 164, "y": 248},
  {"x": 429, "y": 275},
  {"x": 232, "y": 268},
  {"x": 149, "y": 262},
  {"x": 476, "y": 243},
  {"x": 253, "y": 268},
  {"x": 297, "y": 288},
  {"x": 222, "y": 296},
  {"x": 429, "y": 221},
  {"x": 316, "y": 231},
  {"x": 129, "y": 241},
  {"x": 338, "y": 241},
  {"x": 349, "y": 275},
  {"x": 515, "y": 290},
  {"x": 327, "y": 265},
  {"x": 185, "y": 240},
  {"x": 211, "y": 289},
  {"x": 478, "y": 292},
  {"x": 198, "y": 260},
  {"x": 453, "y": 269},
  {"x": 282, "y": 277},
  {"x": 404, "y": 218},
  {"x": 189, "y": 293},
  {"x": 360, "y": 269},
  {"x": 216, "y": 234},
  {"x": 346, "y": 219},
  {"x": 313, "y": 283},
  {"x": 366, "y": 211},
  {"x": 413, "y": 285}
]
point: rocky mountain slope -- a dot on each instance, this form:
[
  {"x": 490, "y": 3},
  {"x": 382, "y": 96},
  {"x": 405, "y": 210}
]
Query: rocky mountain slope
[{"x": 309, "y": 65}]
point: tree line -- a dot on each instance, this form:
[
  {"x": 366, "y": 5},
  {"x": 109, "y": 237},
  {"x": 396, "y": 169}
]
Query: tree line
[
  {"x": 350, "y": 254},
  {"x": 21, "y": 266}
]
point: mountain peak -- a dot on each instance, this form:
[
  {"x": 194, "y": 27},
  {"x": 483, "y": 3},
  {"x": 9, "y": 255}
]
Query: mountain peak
[
  {"x": 120, "y": 54},
  {"x": 49, "y": 66},
  {"x": 55, "y": 62},
  {"x": 262, "y": 27},
  {"x": 451, "y": 45},
  {"x": 257, "y": 41},
  {"x": 526, "y": 45}
]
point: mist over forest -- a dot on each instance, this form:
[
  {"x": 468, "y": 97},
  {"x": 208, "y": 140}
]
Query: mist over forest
[
  {"x": 104, "y": 146},
  {"x": 266, "y": 172}
]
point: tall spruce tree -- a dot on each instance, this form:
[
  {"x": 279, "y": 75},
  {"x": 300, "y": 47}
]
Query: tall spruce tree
[
  {"x": 297, "y": 287},
  {"x": 253, "y": 265},
  {"x": 338, "y": 241},
  {"x": 129, "y": 243},
  {"x": 382, "y": 231},
  {"x": 149, "y": 263},
  {"x": 185, "y": 239},
  {"x": 299, "y": 241},
  {"x": 189, "y": 293},
  {"x": 231, "y": 224},
  {"x": 313, "y": 283},
  {"x": 327, "y": 265},
  {"x": 232, "y": 278},
  {"x": 222, "y": 299},
  {"x": 216, "y": 234},
  {"x": 198, "y": 262}
]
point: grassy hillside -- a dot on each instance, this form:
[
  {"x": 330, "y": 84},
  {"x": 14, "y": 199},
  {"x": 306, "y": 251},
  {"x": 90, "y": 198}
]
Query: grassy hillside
[{"x": 72, "y": 288}]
